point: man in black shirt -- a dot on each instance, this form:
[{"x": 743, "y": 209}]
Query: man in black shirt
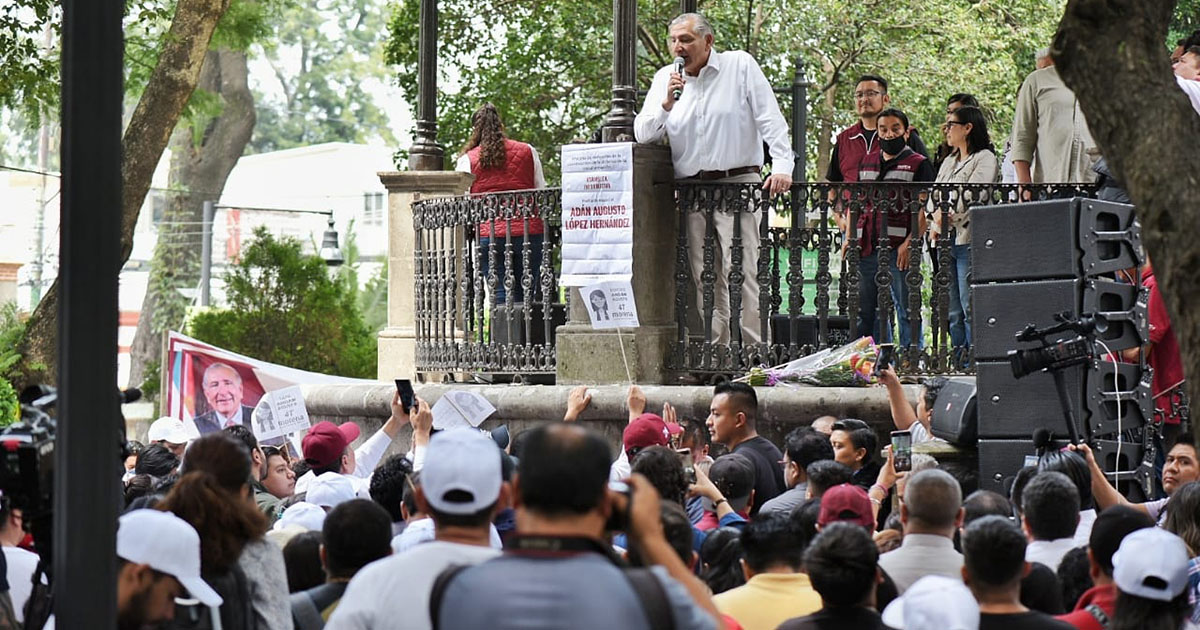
[
  {"x": 993, "y": 565},
  {"x": 842, "y": 565},
  {"x": 731, "y": 420}
]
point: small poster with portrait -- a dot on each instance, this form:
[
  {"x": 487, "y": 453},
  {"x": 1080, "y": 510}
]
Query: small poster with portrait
[
  {"x": 610, "y": 305},
  {"x": 280, "y": 412}
]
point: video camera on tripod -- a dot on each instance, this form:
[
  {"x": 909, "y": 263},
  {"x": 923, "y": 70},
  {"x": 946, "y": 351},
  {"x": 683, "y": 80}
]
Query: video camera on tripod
[{"x": 1056, "y": 356}]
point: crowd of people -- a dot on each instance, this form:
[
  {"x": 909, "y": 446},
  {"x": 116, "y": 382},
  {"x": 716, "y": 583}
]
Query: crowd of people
[{"x": 693, "y": 523}]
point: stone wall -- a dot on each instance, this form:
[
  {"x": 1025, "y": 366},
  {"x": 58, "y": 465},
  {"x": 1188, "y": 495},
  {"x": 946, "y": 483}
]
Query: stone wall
[{"x": 525, "y": 406}]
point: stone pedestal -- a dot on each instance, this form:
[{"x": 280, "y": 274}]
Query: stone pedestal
[
  {"x": 398, "y": 342},
  {"x": 587, "y": 356}
]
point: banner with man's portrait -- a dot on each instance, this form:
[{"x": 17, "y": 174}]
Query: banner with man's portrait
[{"x": 210, "y": 388}]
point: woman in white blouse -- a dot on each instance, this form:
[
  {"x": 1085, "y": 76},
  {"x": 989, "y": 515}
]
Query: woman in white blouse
[{"x": 973, "y": 160}]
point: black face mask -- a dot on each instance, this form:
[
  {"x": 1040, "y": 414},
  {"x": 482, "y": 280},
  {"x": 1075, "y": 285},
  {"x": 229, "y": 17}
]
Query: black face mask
[{"x": 892, "y": 146}]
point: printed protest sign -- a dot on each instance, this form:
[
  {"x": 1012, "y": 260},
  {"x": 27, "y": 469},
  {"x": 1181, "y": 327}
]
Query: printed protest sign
[
  {"x": 460, "y": 408},
  {"x": 597, "y": 213},
  {"x": 610, "y": 305},
  {"x": 280, "y": 412}
]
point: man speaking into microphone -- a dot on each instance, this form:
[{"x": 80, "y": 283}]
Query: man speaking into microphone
[{"x": 717, "y": 113}]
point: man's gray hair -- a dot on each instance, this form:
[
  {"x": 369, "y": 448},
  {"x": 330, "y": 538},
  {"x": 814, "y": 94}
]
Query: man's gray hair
[
  {"x": 214, "y": 366},
  {"x": 1041, "y": 53},
  {"x": 933, "y": 498},
  {"x": 700, "y": 25}
]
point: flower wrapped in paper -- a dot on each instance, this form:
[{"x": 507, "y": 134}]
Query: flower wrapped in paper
[{"x": 850, "y": 365}]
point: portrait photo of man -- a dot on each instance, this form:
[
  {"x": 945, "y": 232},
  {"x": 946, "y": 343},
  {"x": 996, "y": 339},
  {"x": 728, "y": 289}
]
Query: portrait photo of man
[{"x": 222, "y": 387}]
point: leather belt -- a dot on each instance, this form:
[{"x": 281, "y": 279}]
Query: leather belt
[{"x": 733, "y": 172}]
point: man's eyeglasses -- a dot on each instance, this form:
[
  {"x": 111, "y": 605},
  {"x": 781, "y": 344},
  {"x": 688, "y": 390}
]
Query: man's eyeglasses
[{"x": 867, "y": 95}]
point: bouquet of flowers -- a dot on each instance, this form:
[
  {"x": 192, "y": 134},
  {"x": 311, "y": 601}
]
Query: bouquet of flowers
[{"x": 846, "y": 366}]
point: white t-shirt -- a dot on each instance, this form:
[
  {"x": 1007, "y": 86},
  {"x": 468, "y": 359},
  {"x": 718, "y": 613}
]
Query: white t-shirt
[
  {"x": 421, "y": 531},
  {"x": 1083, "y": 531},
  {"x": 394, "y": 592},
  {"x": 21, "y": 565}
]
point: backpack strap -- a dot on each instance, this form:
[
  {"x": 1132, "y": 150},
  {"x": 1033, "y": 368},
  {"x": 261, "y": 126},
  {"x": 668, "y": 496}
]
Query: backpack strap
[
  {"x": 1100, "y": 616},
  {"x": 653, "y": 597},
  {"x": 438, "y": 592},
  {"x": 305, "y": 613}
]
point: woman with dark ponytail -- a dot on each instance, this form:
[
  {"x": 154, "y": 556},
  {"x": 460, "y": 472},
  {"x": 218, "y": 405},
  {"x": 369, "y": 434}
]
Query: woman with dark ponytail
[
  {"x": 213, "y": 495},
  {"x": 501, "y": 164}
]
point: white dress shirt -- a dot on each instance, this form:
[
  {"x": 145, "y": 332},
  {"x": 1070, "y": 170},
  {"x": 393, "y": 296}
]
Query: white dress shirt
[
  {"x": 721, "y": 119},
  {"x": 1192, "y": 89},
  {"x": 366, "y": 458},
  {"x": 1049, "y": 552}
]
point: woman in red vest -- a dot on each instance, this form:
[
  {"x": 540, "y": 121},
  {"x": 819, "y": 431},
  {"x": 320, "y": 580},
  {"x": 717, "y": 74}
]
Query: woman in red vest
[{"x": 500, "y": 164}]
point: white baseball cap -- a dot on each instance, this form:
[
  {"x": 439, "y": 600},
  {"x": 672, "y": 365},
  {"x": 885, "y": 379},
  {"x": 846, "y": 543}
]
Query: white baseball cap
[
  {"x": 330, "y": 489},
  {"x": 462, "y": 471},
  {"x": 1151, "y": 563},
  {"x": 167, "y": 544},
  {"x": 934, "y": 601},
  {"x": 167, "y": 429},
  {"x": 302, "y": 514}
]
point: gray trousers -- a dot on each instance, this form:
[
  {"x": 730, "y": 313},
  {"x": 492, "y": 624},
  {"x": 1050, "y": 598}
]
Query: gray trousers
[{"x": 723, "y": 265}]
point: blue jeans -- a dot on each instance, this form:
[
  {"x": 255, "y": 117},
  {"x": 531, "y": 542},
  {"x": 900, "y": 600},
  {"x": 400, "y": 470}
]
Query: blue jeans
[
  {"x": 868, "y": 302},
  {"x": 533, "y": 241},
  {"x": 960, "y": 296}
]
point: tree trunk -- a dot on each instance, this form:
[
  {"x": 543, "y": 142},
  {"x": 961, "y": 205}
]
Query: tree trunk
[
  {"x": 824, "y": 116},
  {"x": 170, "y": 85},
  {"x": 201, "y": 169},
  {"x": 1112, "y": 53}
]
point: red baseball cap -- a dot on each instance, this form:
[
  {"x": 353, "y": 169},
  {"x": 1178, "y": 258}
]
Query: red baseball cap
[
  {"x": 646, "y": 430},
  {"x": 846, "y": 502},
  {"x": 325, "y": 442}
]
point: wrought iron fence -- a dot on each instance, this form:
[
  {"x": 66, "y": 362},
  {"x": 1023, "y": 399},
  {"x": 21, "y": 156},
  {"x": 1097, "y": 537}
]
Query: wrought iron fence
[
  {"x": 487, "y": 297},
  {"x": 777, "y": 278},
  {"x": 763, "y": 280}
]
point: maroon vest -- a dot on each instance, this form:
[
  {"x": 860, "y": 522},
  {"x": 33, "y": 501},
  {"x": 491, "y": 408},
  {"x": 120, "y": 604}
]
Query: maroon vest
[
  {"x": 897, "y": 215},
  {"x": 852, "y": 148},
  {"x": 517, "y": 174}
]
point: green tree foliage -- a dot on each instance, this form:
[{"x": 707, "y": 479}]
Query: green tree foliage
[
  {"x": 28, "y": 70},
  {"x": 1185, "y": 20},
  {"x": 338, "y": 47},
  {"x": 372, "y": 297},
  {"x": 12, "y": 327},
  {"x": 546, "y": 65},
  {"x": 284, "y": 308}
]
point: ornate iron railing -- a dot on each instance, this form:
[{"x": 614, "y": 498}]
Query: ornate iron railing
[
  {"x": 809, "y": 276},
  {"x": 487, "y": 298}
]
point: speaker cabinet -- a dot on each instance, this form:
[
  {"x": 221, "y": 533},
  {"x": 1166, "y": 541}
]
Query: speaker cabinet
[
  {"x": 1065, "y": 238},
  {"x": 999, "y": 461},
  {"x": 809, "y": 330},
  {"x": 954, "y": 417},
  {"x": 1118, "y": 387},
  {"x": 1001, "y": 311},
  {"x": 508, "y": 324},
  {"x": 1011, "y": 408}
]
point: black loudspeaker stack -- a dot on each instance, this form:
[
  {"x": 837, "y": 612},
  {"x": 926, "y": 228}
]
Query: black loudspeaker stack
[{"x": 1030, "y": 262}]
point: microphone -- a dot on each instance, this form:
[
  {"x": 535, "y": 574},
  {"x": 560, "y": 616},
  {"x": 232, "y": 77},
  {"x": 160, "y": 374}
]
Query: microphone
[
  {"x": 130, "y": 395},
  {"x": 1043, "y": 440},
  {"x": 679, "y": 70}
]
